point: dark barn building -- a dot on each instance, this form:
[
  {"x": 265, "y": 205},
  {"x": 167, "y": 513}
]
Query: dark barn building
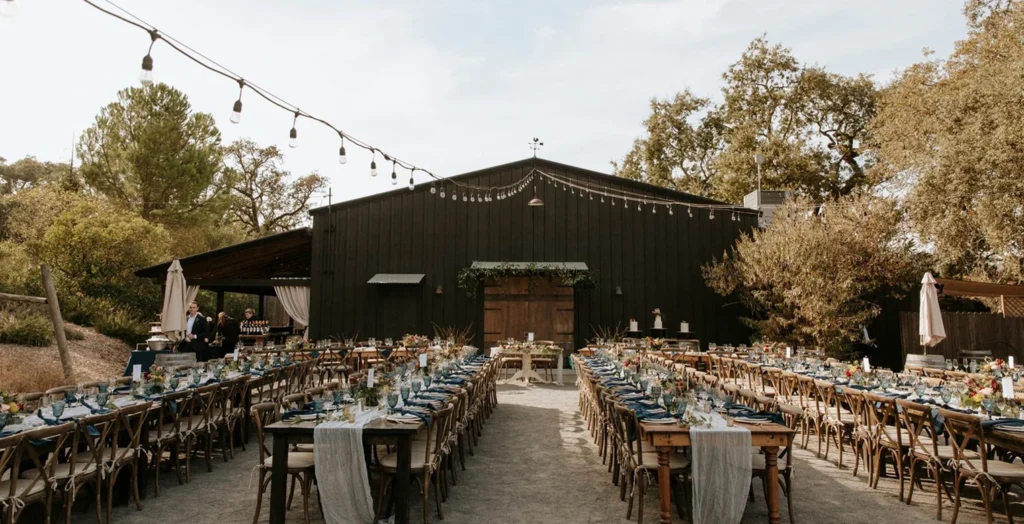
[{"x": 388, "y": 264}]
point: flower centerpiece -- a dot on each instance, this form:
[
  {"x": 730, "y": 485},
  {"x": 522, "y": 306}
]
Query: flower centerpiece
[
  {"x": 656, "y": 344},
  {"x": 414, "y": 340},
  {"x": 156, "y": 376},
  {"x": 999, "y": 367},
  {"x": 9, "y": 404},
  {"x": 978, "y": 390},
  {"x": 370, "y": 395}
]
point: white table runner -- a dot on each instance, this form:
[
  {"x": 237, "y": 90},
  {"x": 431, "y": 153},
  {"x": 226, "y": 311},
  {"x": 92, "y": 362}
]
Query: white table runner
[
  {"x": 341, "y": 470},
  {"x": 721, "y": 467}
]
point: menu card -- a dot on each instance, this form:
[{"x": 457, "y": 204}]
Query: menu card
[{"x": 1007, "y": 383}]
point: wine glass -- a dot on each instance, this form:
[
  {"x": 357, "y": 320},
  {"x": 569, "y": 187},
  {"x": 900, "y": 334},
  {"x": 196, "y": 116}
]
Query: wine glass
[
  {"x": 101, "y": 398},
  {"x": 946, "y": 394},
  {"x": 405, "y": 392},
  {"x": 3, "y": 420},
  {"x": 426, "y": 380},
  {"x": 989, "y": 404},
  {"x": 416, "y": 385},
  {"x": 949, "y": 364},
  {"x": 173, "y": 382},
  {"x": 392, "y": 400},
  {"x": 58, "y": 408}
]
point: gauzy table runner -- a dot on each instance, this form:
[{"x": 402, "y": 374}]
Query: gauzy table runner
[
  {"x": 721, "y": 467},
  {"x": 341, "y": 470}
]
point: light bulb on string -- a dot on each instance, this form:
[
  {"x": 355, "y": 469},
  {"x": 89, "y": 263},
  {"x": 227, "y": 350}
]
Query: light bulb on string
[
  {"x": 669, "y": 209},
  {"x": 654, "y": 209},
  {"x": 472, "y": 198},
  {"x": 342, "y": 158},
  {"x": 433, "y": 190},
  {"x": 689, "y": 211},
  {"x": 8, "y": 8},
  {"x": 146, "y": 76},
  {"x": 638, "y": 206},
  {"x": 733, "y": 216},
  {"x": 236, "y": 110},
  {"x": 711, "y": 215},
  {"x": 394, "y": 175},
  {"x": 293, "y": 135},
  {"x": 454, "y": 196},
  {"x": 442, "y": 191},
  {"x": 465, "y": 198},
  {"x": 373, "y": 165},
  {"x": 412, "y": 183}
]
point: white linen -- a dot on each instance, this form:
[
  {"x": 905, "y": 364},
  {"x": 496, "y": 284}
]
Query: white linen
[
  {"x": 930, "y": 327},
  {"x": 341, "y": 470},
  {"x": 172, "y": 318},
  {"x": 295, "y": 300},
  {"x": 721, "y": 467}
]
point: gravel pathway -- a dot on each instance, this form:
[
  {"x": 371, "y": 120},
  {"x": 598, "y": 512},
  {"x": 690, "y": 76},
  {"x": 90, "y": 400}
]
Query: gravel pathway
[{"x": 537, "y": 464}]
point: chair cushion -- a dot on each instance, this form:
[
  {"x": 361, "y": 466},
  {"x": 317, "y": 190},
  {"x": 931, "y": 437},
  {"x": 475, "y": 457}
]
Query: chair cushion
[
  {"x": 62, "y": 471},
  {"x": 5, "y": 489},
  {"x": 998, "y": 469},
  {"x": 418, "y": 460},
  {"x": 296, "y": 460}
]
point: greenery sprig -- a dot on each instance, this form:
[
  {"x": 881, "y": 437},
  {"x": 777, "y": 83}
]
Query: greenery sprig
[{"x": 470, "y": 278}]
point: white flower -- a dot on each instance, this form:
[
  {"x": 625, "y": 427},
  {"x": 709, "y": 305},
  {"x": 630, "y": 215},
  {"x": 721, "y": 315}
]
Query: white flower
[
  {"x": 985, "y": 391},
  {"x": 994, "y": 366}
]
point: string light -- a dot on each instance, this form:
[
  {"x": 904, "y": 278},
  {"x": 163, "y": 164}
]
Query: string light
[
  {"x": 293, "y": 135},
  {"x": 689, "y": 211},
  {"x": 412, "y": 182},
  {"x": 454, "y": 196},
  {"x": 342, "y": 158},
  {"x": 394, "y": 175},
  {"x": 236, "y": 110},
  {"x": 8, "y": 8},
  {"x": 711, "y": 215},
  {"x": 373, "y": 165},
  {"x": 146, "y": 76},
  {"x": 433, "y": 190},
  {"x": 669, "y": 209}
]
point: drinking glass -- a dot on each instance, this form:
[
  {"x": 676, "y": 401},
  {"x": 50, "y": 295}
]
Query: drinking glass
[
  {"x": 712, "y": 346},
  {"x": 949, "y": 364},
  {"x": 655, "y": 391},
  {"x": 667, "y": 399},
  {"x": 919, "y": 389},
  {"x": 337, "y": 396},
  {"x": 101, "y": 398},
  {"x": 58, "y": 408},
  {"x": 989, "y": 404},
  {"x": 426, "y": 380},
  {"x": 318, "y": 404},
  {"x": 173, "y": 383},
  {"x": 393, "y": 400},
  {"x": 973, "y": 366},
  {"x": 416, "y": 386},
  {"x": 3, "y": 420},
  {"x": 946, "y": 395},
  {"x": 405, "y": 392},
  {"x": 197, "y": 377},
  {"x": 965, "y": 363}
]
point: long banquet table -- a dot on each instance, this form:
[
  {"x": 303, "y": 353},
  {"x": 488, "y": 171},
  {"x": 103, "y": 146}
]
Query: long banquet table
[{"x": 769, "y": 437}]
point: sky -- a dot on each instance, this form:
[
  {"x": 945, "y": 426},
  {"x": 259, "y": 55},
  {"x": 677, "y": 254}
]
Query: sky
[{"x": 452, "y": 86}]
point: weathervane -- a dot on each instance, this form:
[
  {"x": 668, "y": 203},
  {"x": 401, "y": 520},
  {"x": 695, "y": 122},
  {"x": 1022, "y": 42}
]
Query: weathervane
[{"x": 535, "y": 145}]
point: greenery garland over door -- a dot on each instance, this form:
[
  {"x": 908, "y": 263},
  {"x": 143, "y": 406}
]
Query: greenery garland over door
[{"x": 471, "y": 277}]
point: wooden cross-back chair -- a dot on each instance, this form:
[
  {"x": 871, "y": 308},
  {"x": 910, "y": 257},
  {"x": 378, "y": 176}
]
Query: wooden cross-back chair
[{"x": 890, "y": 439}]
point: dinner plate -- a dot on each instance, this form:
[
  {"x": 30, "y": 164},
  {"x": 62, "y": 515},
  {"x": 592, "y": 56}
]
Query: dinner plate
[
  {"x": 308, "y": 416},
  {"x": 658, "y": 421},
  {"x": 746, "y": 420},
  {"x": 1015, "y": 429},
  {"x": 403, "y": 419}
]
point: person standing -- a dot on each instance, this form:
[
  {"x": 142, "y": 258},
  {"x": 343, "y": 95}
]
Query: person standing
[
  {"x": 197, "y": 332},
  {"x": 228, "y": 329}
]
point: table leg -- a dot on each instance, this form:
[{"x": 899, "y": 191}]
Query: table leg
[
  {"x": 278, "y": 479},
  {"x": 664, "y": 484},
  {"x": 560, "y": 359},
  {"x": 400, "y": 488},
  {"x": 771, "y": 480}
]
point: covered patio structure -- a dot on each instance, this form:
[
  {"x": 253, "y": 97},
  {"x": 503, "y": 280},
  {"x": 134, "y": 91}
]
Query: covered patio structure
[{"x": 254, "y": 267}]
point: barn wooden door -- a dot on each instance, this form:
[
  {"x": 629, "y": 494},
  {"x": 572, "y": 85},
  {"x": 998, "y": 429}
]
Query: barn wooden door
[{"x": 516, "y": 306}]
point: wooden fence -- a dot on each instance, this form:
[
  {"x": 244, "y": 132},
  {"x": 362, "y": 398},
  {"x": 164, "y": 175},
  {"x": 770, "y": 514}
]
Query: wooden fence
[{"x": 1003, "y": 336}]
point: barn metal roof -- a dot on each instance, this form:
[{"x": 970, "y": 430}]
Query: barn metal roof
[{"x": 397, "y": 278}]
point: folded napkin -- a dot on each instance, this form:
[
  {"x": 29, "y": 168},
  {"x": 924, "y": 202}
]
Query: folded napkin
[
  {"x": 425, "y": 417},
  {"x": 121, "y": 389},
  {"x": 764, "y": 416},
  {"x": 7, "y": 433},
  {"x": 296, "y": 412},
  {"x": 423, "y": 404},
  {"x": 47, "y": 420},
  {"x": 1013, "y": 422}
]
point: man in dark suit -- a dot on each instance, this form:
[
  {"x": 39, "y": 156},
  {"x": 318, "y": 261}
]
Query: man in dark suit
[{"x": 197, "y": 332}]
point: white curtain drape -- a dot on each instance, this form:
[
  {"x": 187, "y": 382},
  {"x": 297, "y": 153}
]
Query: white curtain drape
[{"x": 295, "y": 300}]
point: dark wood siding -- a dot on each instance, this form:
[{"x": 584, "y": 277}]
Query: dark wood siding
[{"x": 655, "y": 258}]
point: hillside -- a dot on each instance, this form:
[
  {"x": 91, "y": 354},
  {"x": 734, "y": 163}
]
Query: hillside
[{"x": 27, "y": 369}]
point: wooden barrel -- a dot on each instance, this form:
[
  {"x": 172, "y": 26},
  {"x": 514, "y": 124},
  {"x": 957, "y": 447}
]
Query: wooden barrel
[{"x": 926, "y": 361}]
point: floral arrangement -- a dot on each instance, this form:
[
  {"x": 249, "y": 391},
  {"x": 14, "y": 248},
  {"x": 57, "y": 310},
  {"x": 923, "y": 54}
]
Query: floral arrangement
[
  {"x": 8, "y": 404},
  {"x": 382, "y": 382},
  {"x": 414, "y": 340},
  {"x": 997, "y": 365},
  {"x": 656, "y": 344},
  {"x": 855, "y": 368},
  {"x": 155, "y": 375},
  {"x": 979, "y": 390},
  {"x": 656, "y": 312}
]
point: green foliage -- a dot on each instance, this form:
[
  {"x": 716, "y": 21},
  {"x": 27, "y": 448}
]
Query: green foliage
[
  {"x": 470, "y": 278},
  {"x": 81, "y": 309},
  {"x": 151, "y": 154},
  {"x": 807, "y": 122},
  {"x": 29, "y": 172},
  {"x": 815, "y": 280},
  {"x": 95, "y": 248},
  {"x": 25, "y": 327},
  {"x": 950, "y": 129},
  {"x": 123, "y": 326},
  {"x": 264, "y": 200},
  {"x": 18, "y": 274}
]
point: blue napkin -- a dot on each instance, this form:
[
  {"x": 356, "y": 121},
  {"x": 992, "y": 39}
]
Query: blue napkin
[
  {"x": 121, "y": 389},
  {"x": 766, "y": 416},
  {"x": 296, "y": 412},
  {"x": 423, "y": 404},
  {"x": 456, "y": 381},
  {"x": 1013, "y": 422},
  {"x": 7, "y": 433},
  {"x": 422, "y": 416},
  {"x": 48, "y": 421}
]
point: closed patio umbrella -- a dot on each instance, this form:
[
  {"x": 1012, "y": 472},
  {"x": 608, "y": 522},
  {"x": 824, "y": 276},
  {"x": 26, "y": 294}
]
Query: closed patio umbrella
[
  {"x": 931, "y": 329},
  {"x": 173, "y": 317}
]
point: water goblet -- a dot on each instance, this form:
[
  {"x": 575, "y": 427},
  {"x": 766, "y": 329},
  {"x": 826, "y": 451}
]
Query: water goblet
[
  {"x": 392, "y": 400},
  {"x": 197, "y": 377},
  {"x": 946, "y": 395},
  {"x": 173, "y": 383},
  {"x": 919, "y": 388},
  {"x": 416, "y": 386},
  {"x": 58, "y": 408},
  {"x": 667, "y": 399},
  {"x": 426, "y": 380},
  {"x": 655, "y": 391},
  {"x": 318, "y": 405},
  {"x": 989, "y": 404},
  {"x": 949, "y": 364},
  {"x": 3, "y": 420},
  {"x": 405, "y": 392},
  {"x": 973, "y": 366},
  {"x": 101, "y": 398},
  {"x": 337, "y": 396}
]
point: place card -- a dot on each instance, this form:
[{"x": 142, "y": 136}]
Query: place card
[
  {"x": 235, "y": 356},
  {"x": 369, "y": 378},
  {"x": 137, "y": 373},
  {"x": 866, "y": 365},
  {"x": 1011, "y": 362},
  {"x": 789, "y": 352},
  {"x": 423, "y": 360},
  {"x": 529, "y": 337},
  {"x": 1007, "y": 383}
]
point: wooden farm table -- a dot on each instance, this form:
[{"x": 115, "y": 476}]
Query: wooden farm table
[
  {"x": 384, "y": 432},
  {"x": 526, "y": 372},
  {"x": 768, "y": 437}
]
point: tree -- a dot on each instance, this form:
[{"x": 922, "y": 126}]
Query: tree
[
  {"x": 807, "y": 122},
  {"x": 149, "y": 152},
  {"x": 29, "y": 172},
  {"x": 816, "y": 279},
  {"x": 263, "y": 198},
  {"x": 95, "y": 248},
  {"x": 950, "y": 131}
]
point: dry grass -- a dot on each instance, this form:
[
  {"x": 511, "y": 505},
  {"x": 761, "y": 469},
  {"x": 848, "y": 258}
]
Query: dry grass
[{"x": 94, "y": 357}]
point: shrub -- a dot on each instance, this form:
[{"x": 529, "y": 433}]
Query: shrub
[
  {"x": 25, "y": 328},
  {"x": 123, "y": 326},
  {"x": 80, "y": 309}
]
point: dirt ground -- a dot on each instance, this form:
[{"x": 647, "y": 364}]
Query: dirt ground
[
  {"x": 27, "y": 369},
  {"x": 536, "y": 463}
]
